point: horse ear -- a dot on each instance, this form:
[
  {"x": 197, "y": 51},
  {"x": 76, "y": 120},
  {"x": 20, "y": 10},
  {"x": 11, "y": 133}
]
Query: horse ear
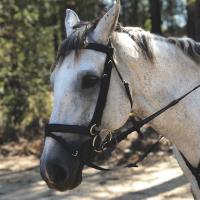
[
  {"x": 107, "y": 24},
  {"x": 71, "y": 19}
]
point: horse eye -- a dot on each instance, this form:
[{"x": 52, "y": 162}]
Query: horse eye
[{"x": 89, "y": 81}]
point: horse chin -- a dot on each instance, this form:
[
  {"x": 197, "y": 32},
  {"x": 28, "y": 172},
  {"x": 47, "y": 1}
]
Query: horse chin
[{"x": 68, "y": 186}]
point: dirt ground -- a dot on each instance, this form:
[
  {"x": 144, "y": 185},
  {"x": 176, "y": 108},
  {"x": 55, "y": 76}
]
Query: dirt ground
[{"x": 158, "y": 178}]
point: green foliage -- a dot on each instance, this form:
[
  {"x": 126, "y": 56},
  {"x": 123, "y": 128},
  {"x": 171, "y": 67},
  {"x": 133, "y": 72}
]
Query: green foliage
[
  {"x": 173, "y": 12},
  {"x": 30, "y": 33},
  {"x": 191, "y": 1},
  {"x": 29, "y": 37},
  {"x": 174, "y": 17},
  {"x": 135, "y": 13},
  {"x": 148, "y": 25}
]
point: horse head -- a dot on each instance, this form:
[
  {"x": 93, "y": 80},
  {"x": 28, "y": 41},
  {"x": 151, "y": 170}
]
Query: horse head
[{"x": 76, "y": 81}]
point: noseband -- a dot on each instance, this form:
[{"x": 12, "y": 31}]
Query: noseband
[{"x": 93, "y": 130}]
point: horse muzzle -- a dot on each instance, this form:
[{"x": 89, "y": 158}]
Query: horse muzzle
[
  {"x": 58, "y": 168},
  {"x": 60, "y": 177}
]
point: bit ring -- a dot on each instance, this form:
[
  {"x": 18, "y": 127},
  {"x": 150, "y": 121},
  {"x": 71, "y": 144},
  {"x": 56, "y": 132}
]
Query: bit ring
[
  {"x": 91, "y": 130},
  {"x": 93, "y": 144}
]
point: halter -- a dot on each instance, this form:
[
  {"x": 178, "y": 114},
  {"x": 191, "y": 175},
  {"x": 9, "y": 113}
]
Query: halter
[{"x": 93, "y": 130}]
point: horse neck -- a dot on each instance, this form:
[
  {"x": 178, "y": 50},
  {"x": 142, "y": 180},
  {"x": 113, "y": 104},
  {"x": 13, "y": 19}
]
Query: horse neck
[{"x": 155, "y": 84}]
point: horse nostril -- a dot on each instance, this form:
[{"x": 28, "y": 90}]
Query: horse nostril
[{"x": 57, "y": 174}]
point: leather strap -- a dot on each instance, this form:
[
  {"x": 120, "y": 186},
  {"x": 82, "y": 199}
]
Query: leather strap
[
  {"x": 119, "y": 136},
  {"x": 125, "y": 83},
  {"x": 195, "y": 171},
  {"x": 50, "y": 128},
  {"x": 103, "y": 93},
  {"x": 100, "y": 48}
]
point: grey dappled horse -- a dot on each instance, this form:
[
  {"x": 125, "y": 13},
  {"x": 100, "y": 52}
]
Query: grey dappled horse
[{"x": 158, "y": 71}]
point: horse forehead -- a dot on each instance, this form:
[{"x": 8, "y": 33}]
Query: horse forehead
[
  {"x": 73, "y": 65},
  {"x": 92, "y": 58},
  {"x": 85, "y": 59}
]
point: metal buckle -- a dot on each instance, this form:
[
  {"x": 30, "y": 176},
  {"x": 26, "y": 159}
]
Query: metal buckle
[
  {"x": 85, "y": 43},
  {"x": 75, "y": 153}
]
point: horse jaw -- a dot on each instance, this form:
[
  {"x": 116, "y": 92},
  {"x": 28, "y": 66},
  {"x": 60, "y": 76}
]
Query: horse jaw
[{"x": 106, "y": 25}]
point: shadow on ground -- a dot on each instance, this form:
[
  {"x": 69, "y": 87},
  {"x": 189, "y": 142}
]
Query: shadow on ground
[{"x": 154, "y": 180}]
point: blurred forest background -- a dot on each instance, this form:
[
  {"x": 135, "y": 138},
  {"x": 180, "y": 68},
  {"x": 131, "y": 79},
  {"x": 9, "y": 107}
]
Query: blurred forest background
[{"x": 30, "y": 33}]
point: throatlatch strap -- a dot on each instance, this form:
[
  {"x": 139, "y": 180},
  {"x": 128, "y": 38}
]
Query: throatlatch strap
[
  {"x": 128, "y": 92},
  {"x": 125, "y": 83}
]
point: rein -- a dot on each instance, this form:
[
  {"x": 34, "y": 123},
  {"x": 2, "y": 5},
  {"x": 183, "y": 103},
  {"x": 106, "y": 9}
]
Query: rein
[
  {"x": 93, "y": 131},
  {"x": 139, "y": 124}
]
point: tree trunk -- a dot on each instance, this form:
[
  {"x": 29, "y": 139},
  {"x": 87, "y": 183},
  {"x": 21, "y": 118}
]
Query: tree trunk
[
  {"x": 129, "y": 12},
  {"x": 134, "y": 15},
  {"x": 193, "y": 24},
  {"x": 155, "y": 10},
  {"x": 55, "y": 34}
]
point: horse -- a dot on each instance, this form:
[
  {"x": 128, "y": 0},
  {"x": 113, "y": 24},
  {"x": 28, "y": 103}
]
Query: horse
[{"x": 157, "y": 70}]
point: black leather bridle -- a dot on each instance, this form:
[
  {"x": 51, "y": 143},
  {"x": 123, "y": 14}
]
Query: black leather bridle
[{"x": 93, "y": 130}]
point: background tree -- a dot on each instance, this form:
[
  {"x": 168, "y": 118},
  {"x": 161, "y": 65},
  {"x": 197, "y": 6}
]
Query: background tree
[
  {"x": 174, "y": 17},
  {"x": 193, "y": 23},
  {"x": 129, "y": 15},
  {"x": 30, "y": 34},
  {"x": 155, "y": 10}
]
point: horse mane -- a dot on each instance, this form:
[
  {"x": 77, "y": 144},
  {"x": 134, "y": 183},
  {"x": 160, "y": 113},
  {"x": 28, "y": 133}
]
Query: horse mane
[
  {"x": 188, "y": 46},
  {"x": 141, "y": 38},
  {"x": 77, "y": 40}
]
